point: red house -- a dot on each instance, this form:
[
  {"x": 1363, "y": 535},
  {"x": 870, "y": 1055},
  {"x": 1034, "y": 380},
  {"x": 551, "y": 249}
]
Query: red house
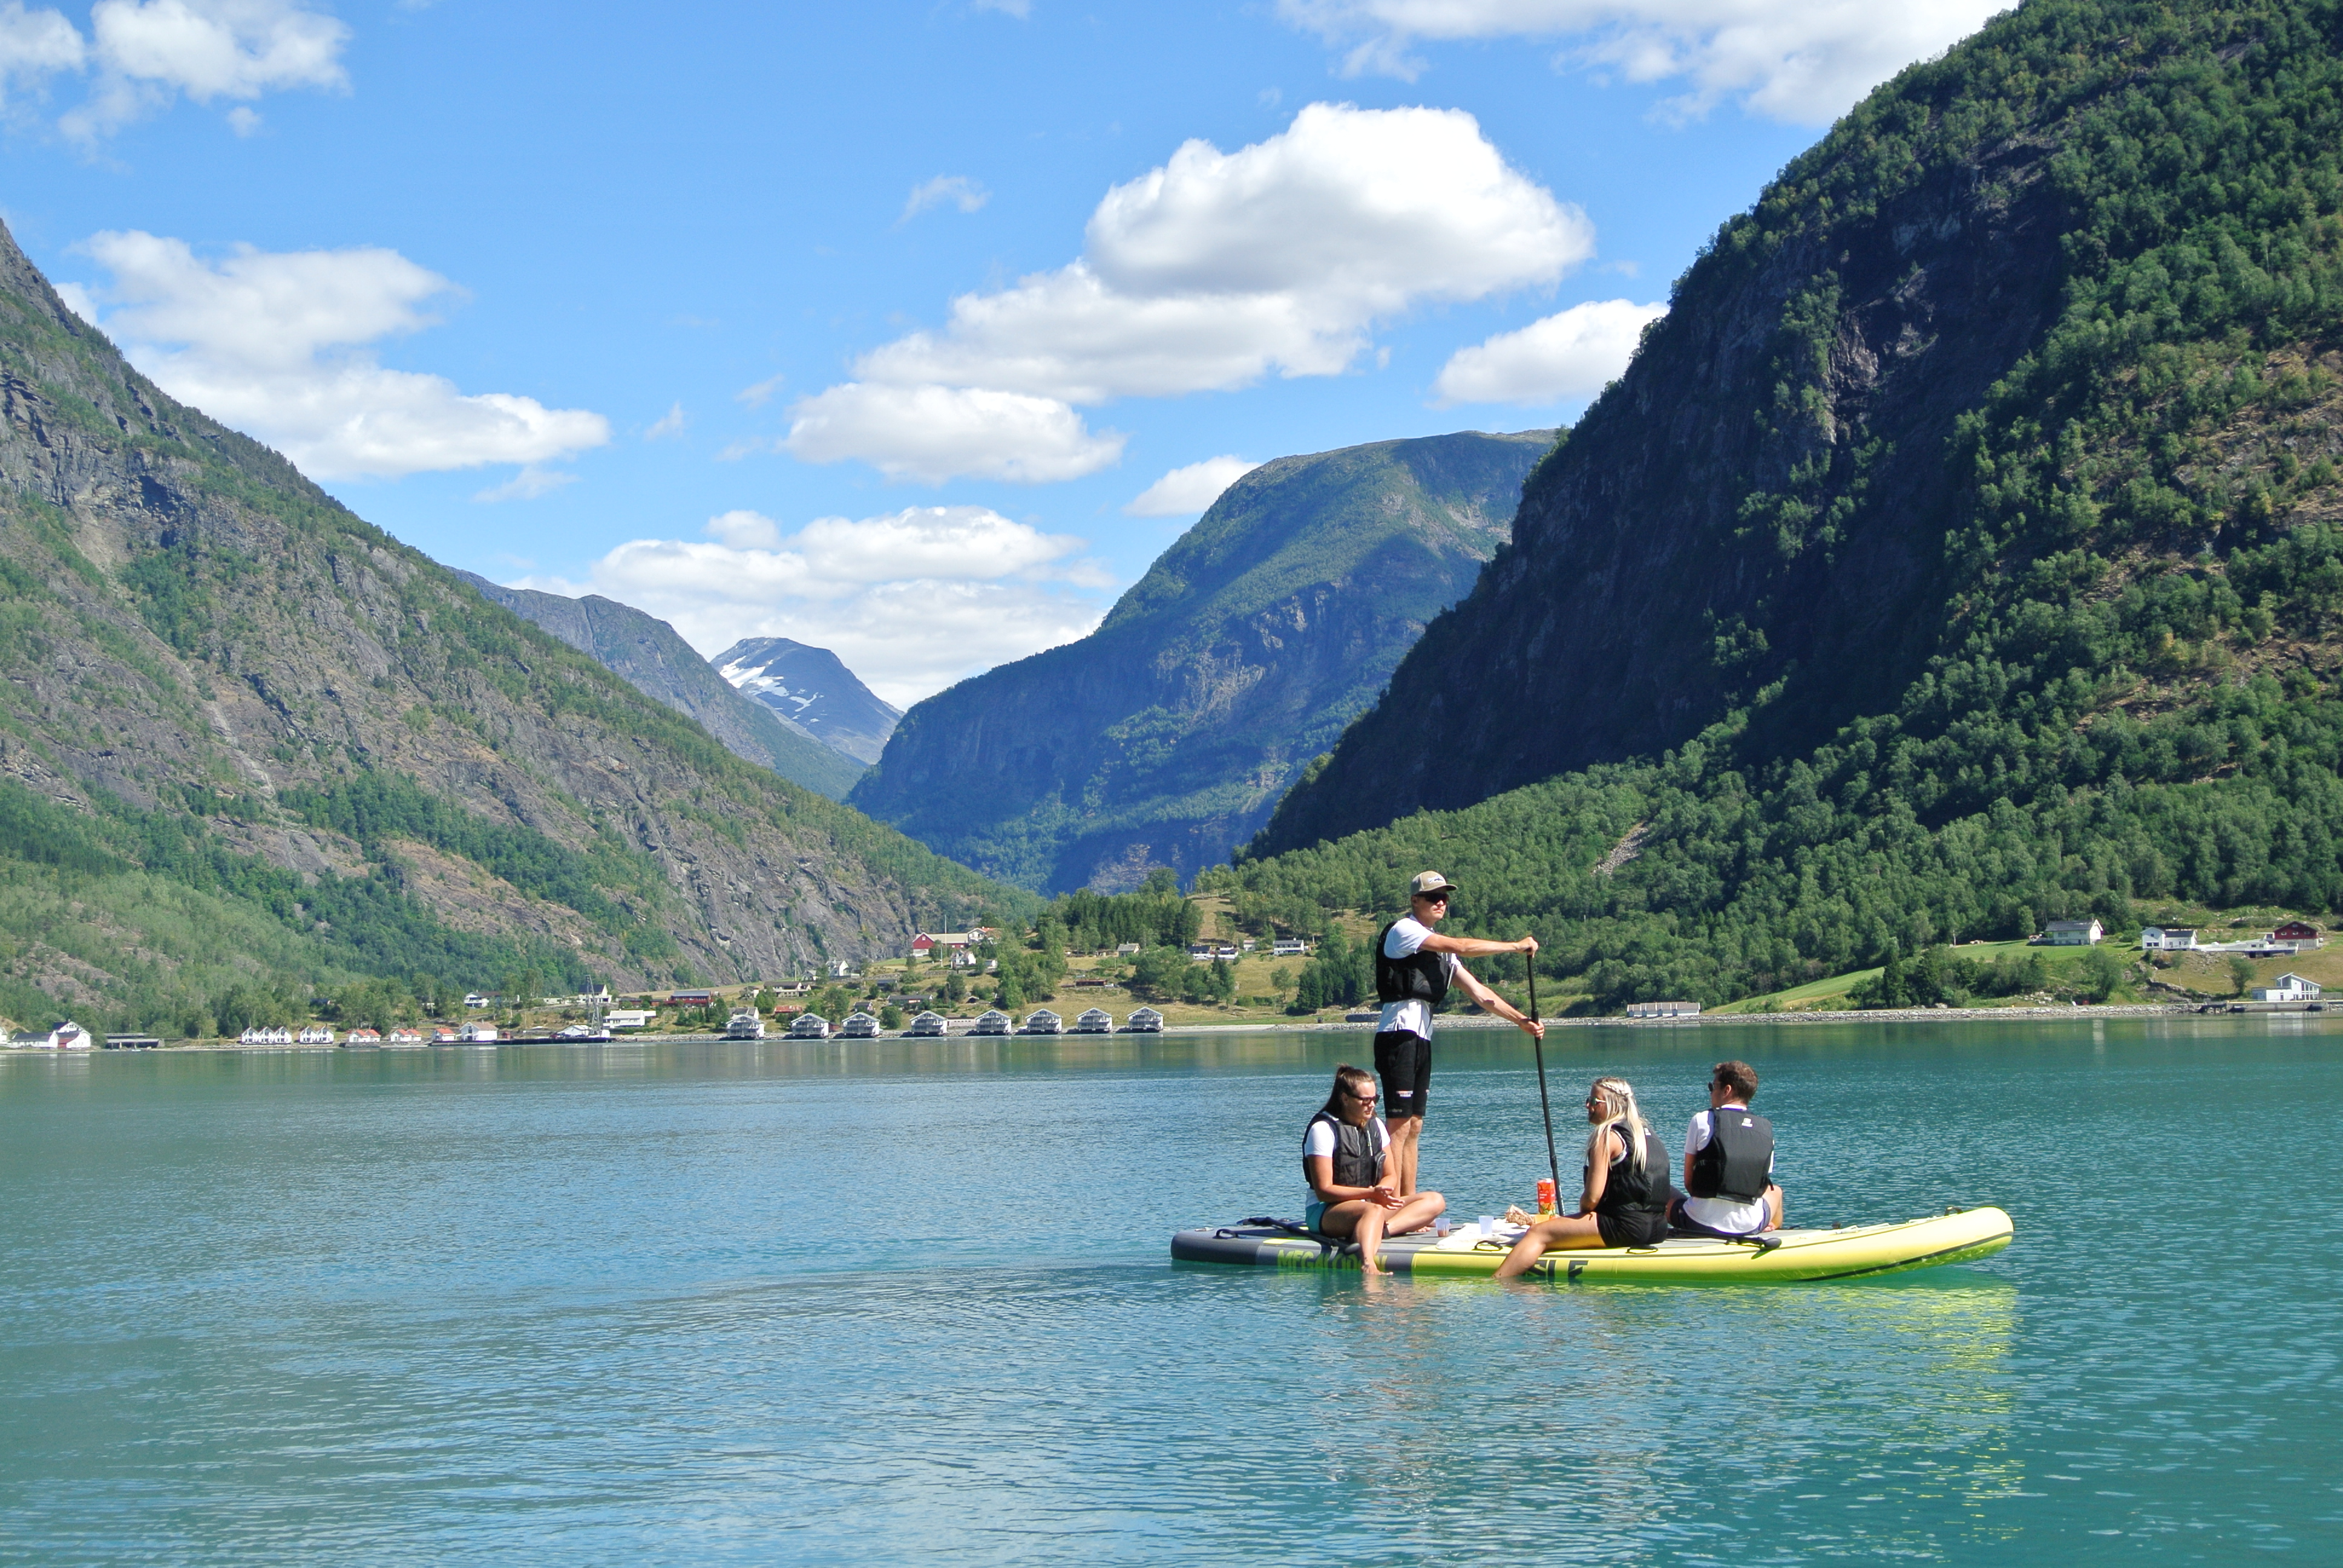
[{"x": 2295, "y": 931}]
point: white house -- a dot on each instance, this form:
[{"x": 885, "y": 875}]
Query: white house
[
  {"x": 626, "y": 1017},
  {"x": 2072, "y": 933},
  {"x": 318, "y": 1034},
  {"x": 2288, "y": 988},
  {"x": 2168, "y": 938},
  {"x": 1289, "y": 948},
  {"x": 475, "y": 999},
  {"x": 1663, "y": 1010}
]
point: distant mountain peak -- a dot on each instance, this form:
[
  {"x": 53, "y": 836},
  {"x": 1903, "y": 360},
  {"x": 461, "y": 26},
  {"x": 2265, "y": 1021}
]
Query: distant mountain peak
[
  {"x": 1165, "y": 737},
  {"x": 653, "y": 658},
  {"x": 813, "y": 692}
]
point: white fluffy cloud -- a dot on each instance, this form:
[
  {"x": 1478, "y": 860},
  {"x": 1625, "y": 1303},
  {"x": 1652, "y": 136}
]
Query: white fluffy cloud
[
  {"x": 1205, "y": 274},
  {"x": 1184, "y": 492},
  {"x": 276, "y": 344},
  {"x": 911, "y": 601},
  {"x": 933, "y": 433},
  {"x": 1568, "y": 354},
  {"x": 143, "y": 54},
  {"x": 35, "y": 44},
  {"x": 1802, "y": 61},
  {"x": 956, "y": 190}
]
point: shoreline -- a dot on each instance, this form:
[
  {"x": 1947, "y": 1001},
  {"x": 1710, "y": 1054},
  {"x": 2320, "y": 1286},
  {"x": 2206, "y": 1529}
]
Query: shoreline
[{"x": 2043, "y": 1014}]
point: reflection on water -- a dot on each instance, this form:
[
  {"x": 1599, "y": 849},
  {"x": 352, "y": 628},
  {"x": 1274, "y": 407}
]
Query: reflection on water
[{"x": 794, "y": 1302}]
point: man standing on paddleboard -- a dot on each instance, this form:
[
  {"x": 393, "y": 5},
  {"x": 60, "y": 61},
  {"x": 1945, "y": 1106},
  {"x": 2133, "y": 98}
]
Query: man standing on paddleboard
[{"x": 1415, "y": 966}]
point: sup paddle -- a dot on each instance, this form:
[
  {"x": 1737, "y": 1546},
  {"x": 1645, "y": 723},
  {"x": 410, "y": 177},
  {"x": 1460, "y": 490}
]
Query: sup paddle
[{"x": 1545, "y": 1105}]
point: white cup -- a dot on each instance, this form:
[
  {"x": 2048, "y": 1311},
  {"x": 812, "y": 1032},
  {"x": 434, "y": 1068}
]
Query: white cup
[{"x": 1488, "y": 1227}]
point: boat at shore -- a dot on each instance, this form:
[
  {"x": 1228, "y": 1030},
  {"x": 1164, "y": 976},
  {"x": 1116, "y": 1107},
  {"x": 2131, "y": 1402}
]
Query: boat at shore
[{"x": 1779, "y": 1257}]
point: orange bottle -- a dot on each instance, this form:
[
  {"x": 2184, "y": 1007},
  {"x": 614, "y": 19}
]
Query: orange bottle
[{"x": 1546, "y": 1195}]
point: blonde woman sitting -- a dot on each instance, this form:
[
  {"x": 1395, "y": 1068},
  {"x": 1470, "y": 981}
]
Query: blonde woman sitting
[{"x": 1623, "y": 1200}]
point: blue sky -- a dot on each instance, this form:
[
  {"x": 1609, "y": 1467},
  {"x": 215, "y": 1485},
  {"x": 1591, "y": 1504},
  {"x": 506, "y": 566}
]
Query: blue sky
[{"x": 662, "y": 303}]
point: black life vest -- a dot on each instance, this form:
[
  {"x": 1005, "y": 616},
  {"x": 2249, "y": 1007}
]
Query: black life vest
[
  {"x": 1419, "y": 976},
  {"x": 1357, "y": 1161},
  {"x": 1632, "y": 1194},
  {"x": 1737, "y": 1160}
]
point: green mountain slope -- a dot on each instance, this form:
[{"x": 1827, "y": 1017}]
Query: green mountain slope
[
  {"x": 650, "y": 657},
  {"x": 1163, "y": 737},
  {"x": 250, "y": 745},
  {"x": 1963, "y": 549}
]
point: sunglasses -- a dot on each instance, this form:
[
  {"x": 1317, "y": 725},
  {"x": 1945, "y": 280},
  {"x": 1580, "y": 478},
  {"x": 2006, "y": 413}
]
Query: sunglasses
[{"x": 1366, "y": 1099}]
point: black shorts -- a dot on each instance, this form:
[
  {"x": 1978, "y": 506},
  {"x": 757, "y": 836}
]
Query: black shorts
[
  {"x": 1403, "y": 1062},
  {"x": 1643, "y": 1227}
]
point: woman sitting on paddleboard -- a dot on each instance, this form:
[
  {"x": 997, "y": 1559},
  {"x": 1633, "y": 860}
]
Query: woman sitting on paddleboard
[
  {"x": 1624, "y": 1202},
  {"x": 1342, "y": 1157}
]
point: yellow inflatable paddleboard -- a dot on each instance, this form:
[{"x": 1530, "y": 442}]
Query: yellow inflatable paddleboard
[{"x": 1779, "y": 1257}]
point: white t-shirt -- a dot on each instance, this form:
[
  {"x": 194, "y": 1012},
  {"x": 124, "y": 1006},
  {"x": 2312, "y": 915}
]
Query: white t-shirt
[
  {"x": 1724, "y": 1214},
  {"x": 1320, "y": 1140},
  {"x": 1414, "y": 1015}
]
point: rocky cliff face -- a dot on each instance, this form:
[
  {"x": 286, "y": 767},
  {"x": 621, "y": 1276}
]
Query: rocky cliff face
[
  {"x": 1164, "y": 737},
  {"x": 811, "y": 690},
  {"x": 202, "y": 648},
  {"x": 1757, "y": 509},
  {"x": 651, "y": 657}
]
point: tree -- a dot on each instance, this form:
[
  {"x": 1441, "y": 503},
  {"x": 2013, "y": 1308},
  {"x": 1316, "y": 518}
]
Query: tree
[
  {"x": 2241, "y": 972},
  {"x": 2103, "y": 972},
  {"x": 1158, "y": 973}
]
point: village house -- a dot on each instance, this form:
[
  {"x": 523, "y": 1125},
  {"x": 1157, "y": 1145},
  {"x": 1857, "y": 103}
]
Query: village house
[
  {"x": 1663, "y": 1010},
  {"x": 476, "y": 999},
  {"x": 2168, "y": 938},
  {"x": 2070, "y": 934},
  {"x": 1289, "y": 948},
  {"x": 2299, "y": 932},
  {"x": 626, "y": 1017},
  {"x": 925, "y": 943},
  {"x": 2288, "y": 988}
]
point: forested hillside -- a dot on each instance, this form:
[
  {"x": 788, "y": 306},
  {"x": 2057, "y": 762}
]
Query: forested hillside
[
  {"x": 1963, "y": 549},
  {"x": 251, "y": 745},
  {"x": 1164, "y": 737}
]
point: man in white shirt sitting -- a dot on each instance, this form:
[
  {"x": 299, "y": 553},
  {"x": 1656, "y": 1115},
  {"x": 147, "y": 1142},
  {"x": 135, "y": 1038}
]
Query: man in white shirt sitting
[{"x": 1729, "y": 1187}]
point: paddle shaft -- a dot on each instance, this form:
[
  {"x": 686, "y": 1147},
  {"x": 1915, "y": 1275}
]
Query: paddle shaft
[{"x": 1545, "y": 1106}]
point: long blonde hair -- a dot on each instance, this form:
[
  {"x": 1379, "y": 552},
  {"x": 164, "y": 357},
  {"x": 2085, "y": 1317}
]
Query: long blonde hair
[{"x": 1619, "y": 1110}]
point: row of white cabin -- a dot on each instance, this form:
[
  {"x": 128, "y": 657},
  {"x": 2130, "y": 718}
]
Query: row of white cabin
[
  {"x": 993, "y": 1022},
  {"x": 475, "y": 1034}
]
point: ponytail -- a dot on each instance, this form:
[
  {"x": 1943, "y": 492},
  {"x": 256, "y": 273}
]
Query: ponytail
[
  {"x": 1617, "y": 1098},
  {"x": 1344, "y": 1074}
]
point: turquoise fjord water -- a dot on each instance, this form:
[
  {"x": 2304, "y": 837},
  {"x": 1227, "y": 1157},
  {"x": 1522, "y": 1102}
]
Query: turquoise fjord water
[{"x": 825, "y": 1303}]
